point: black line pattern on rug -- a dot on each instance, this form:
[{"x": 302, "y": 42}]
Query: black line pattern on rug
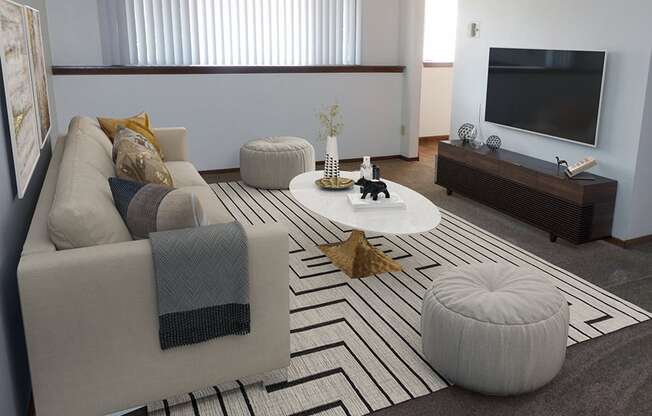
[{"x": 356, "y": 343}]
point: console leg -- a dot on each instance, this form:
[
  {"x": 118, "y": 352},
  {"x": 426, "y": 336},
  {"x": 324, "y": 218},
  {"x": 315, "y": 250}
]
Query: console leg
[
  {"x": 553, "y": 238},
  {"x": 449, "y": 192}
]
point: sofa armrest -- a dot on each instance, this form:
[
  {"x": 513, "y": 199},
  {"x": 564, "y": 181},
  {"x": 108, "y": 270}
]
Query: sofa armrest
[
  {"x": 174, "y": 142},
  {"x": 91, "y": 325}
]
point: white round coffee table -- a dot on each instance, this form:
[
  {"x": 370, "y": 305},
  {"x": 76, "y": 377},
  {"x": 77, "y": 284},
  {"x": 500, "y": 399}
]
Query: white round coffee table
[{"x": 356, "y": 257}]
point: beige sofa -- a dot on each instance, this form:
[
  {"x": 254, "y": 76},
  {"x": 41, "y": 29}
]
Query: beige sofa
[{"x": 90, "y": 313}]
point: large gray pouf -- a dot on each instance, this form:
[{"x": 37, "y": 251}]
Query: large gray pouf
[
  {"x": 271, "y": 163},
  {"x": 494, "y": 328}
]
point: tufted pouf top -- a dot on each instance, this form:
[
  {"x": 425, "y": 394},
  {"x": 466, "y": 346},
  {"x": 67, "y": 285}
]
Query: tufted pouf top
[
  {"x": 272, "y": 162},
  {"x": 495, "y": 328},
  {"x": 498, "y": 293},
  {"x": 277, "y": 144}
]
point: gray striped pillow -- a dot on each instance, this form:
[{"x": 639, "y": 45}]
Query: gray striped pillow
[{"x": 147, "y": 208}]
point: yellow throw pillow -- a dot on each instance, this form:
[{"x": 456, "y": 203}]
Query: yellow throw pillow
[
  {"x": 136, "y": 159},
  {"x": 110, "y": 125}
]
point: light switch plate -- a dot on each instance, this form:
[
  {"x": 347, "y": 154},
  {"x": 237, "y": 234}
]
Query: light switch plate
[{"x": 474, "y": 30}]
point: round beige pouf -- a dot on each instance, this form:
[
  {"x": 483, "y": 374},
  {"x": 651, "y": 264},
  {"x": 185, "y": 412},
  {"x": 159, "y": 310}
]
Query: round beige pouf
[
  {"x": 271, "y": 163},
  {"x": 494, "y": 328}
]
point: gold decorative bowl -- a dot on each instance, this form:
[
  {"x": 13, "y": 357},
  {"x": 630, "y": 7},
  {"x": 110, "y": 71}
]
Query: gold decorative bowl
[{"x": 334, "y": 184}]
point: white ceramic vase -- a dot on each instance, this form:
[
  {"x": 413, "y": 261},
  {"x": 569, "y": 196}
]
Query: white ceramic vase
[{"x": 332, "y": 162}]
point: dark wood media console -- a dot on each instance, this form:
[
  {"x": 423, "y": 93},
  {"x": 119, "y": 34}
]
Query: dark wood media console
[{"x": 532, "y": 190}]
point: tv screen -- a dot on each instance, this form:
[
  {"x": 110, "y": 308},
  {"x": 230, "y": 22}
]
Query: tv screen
[{"x": 556, "y": 93}]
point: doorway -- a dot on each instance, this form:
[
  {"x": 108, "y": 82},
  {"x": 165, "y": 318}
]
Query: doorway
[{"x": 440, "y": 32}]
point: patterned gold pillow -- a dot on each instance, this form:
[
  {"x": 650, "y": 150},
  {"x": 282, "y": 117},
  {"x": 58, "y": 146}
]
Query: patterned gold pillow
[
  {"x": 147, "y": 133},
  {"x": 138, "y": 160}
]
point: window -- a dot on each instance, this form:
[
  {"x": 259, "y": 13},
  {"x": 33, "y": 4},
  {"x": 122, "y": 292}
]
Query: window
[
  {"x": 231, "y": 32},
  {"x": 440, "y": 31}
]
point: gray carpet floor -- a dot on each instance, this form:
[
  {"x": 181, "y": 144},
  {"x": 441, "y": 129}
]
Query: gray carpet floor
[
  {"x": 607, "y": 376},
  {"x": 611, "y": 375},
  {"x": 624, "y": 272}
]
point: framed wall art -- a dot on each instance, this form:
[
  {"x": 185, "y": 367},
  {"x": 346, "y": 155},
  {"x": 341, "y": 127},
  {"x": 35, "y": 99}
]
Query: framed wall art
[
  {"x": 39, "y": 71},
  {"x": 21, "y": 108}
]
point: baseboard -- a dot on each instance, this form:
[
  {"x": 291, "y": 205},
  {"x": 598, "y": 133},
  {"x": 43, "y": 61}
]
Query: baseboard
[
  {"x": 435, "y": 138},
  {"x": 319, "y": 163},
  {"x": 359, "y": 159},
  {"x": 629, "y": 243},
  {"x": 219, "y": 171}
]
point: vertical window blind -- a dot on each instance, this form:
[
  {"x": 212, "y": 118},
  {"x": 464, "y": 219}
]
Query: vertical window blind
[{"x": 231, "y": 32}]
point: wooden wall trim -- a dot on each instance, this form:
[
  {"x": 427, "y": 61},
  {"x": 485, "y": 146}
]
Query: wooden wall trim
[
  {"x": 437, "y": 64},
  {"x": 201, "y": 69},
  {"x": 319, "y": 163},
  {"x": 435, "y": 138}
]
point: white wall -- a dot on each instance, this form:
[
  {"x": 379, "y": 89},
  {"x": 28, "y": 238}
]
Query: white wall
[
  {"x": 222, "y": 112},
  {"x": 74, "y": 32},
  {"x": 581, "y": 24},
  {"x": 641, "y": 207},
  {"x": 411, "y": 34},
  {"x": 436, "y": 101}
]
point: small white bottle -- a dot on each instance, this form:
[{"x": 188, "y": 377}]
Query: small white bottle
[{"x": 366, "y": 169}]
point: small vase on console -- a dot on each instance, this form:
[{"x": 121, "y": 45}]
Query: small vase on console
[
  {"x": 331, "y": 126},
  {"x": 332, "y": 161}
]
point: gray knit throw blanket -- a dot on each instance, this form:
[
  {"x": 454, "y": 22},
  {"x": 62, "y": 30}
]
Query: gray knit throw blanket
[{"x": 202, "y": 283}]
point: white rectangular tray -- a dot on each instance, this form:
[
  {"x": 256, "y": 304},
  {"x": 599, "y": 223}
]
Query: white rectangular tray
[{"x": 356, "y": 201}]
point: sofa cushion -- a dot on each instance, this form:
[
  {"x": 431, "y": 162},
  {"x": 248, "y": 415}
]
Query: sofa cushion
[
  {"x": 91, "y": 128},
  {"x": 214, "y": 211},
  {"x": 83, "y": 213},
  {"x": 137, "y": 159},
  {"x": 184, "y": 174},
  {"x": 148, "y": 208},
  {"x": 110, "y": 125},
  {"x": 125, "y": 133},
  {"x": 147, "y": 133}
]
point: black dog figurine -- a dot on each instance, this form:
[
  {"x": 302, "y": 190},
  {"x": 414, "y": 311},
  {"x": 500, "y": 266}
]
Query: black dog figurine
[
  {"x": 373, "y": 188},
  {"x": 360, "y": 182}
]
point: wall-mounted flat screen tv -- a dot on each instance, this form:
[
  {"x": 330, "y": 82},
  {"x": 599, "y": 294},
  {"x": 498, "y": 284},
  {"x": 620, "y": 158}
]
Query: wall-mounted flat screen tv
[{"x": 556, "y": 93}]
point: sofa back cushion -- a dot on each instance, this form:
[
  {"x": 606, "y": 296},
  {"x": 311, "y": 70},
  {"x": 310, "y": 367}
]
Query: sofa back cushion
[{"x": 83, "y": 213}]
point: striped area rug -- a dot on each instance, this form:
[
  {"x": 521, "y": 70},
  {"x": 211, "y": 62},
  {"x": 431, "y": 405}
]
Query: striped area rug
[{"x": 356, "y": 344}]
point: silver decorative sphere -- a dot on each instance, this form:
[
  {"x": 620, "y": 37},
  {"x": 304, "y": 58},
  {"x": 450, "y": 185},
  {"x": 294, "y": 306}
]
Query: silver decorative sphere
[
  {"x": 467, "y": 132},
  {"x": 494, "y": 142}
]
